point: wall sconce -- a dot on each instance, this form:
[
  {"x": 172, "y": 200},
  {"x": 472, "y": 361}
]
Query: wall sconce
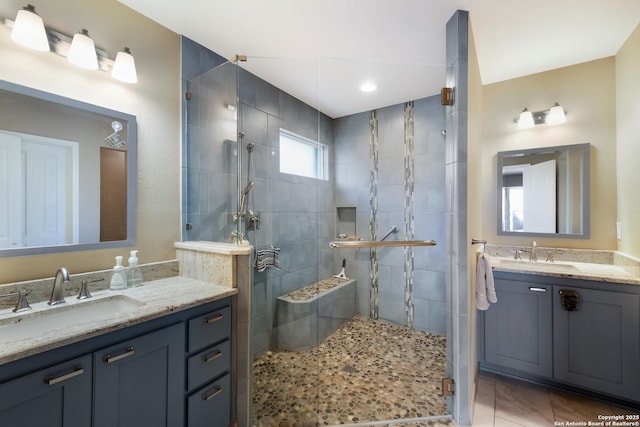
[
  {"x": 553, "y": 116},
  {"x": 28, "y": 30}
]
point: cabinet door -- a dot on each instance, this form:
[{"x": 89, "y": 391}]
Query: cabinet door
[
  {"x": 518, "y": 327},
  {"x": 597, "y": 346},
  {"x": 56, "y": 396},
  {"x": 140, "y": 382}
]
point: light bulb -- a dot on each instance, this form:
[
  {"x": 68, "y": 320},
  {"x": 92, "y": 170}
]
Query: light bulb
[
  {"x": 124, "y": 68},
  {"x": 82, "y": 51},
  {"x": 526, "y": 120},
  {"x": 556, "y": 115},
  {"x": 28, "y": 30}
]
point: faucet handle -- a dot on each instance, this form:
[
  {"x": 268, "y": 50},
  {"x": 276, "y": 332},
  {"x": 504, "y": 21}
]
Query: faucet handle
[
  {"x": 84, "y": 289},
  {"x": 22, "y": 304},
  {"x": 551, "y": 253}
]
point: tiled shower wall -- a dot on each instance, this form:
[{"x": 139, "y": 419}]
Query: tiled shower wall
[
  {"x": 298, "y": 214},
  {"x": 424, "y": 149}
]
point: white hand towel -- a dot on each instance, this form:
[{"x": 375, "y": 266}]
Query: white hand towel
[{"x": 485, "y": 287}]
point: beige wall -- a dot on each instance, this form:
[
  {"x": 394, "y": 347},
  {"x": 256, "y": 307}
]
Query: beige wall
[
  {"x": 155, "y": 100},
  {"x": 628, "y": 148},
  {"x": 587, "y": 92},
  {"x": 474, "y": 200}
]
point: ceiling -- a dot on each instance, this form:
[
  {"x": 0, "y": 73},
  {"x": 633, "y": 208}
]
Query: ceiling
[{"x": 320, "y": 51}]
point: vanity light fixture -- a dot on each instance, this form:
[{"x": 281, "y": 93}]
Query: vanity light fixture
[
  {"x": 83, "y": 51},
  {"x": 124, "y": 68},
  {"x": 28, "y": 30},
  {"x": 554, "y": 116}
]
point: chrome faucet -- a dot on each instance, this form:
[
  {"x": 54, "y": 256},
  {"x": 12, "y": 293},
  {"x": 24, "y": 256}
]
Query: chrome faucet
[
  {"x": 57, "y": 296},
  {"x": 532, "y": 254}
]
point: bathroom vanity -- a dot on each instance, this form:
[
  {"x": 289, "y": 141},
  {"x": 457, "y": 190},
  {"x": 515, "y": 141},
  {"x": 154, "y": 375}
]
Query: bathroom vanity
[
  {"x": 558, "y": 324},
  {"x": 166, "y": 361}
]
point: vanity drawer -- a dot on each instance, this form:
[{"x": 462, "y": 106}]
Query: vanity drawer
[
  {"x": 209, "y": 328},
  {"x": 208, "y": 364},
  {"x": 211, "y": 405}
]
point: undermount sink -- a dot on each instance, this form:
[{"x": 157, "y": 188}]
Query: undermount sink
[
  {"x": 537, "y": 266},
  {"x": 41, "y": 321}
]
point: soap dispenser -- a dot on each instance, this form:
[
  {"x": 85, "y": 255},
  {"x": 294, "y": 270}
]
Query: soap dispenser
[
  {"x": 134, "y": 275},
  {"x": 119, "y": 276}
]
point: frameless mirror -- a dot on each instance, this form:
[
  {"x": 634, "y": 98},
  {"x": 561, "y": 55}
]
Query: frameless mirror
[
  {"x": 544, "y": 191},
  {"x": 67, "y": 174}
]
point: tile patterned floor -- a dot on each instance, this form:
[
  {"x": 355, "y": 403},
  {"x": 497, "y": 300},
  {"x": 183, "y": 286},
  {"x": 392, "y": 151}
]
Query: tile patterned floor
[
  {"x": 366, "y": 371},
  {"x": 507, "y": 402}
]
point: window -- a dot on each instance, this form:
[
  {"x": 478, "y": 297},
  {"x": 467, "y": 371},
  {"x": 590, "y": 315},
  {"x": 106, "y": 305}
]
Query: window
[{"x": 302, "y": 156}]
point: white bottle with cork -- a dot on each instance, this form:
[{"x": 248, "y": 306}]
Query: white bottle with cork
[
  {"x": 119, "y": 276},
  {"x": 134, "y": 275}
]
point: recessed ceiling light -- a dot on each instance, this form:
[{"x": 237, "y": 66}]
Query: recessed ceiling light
[{"x": 368, "y": 87}]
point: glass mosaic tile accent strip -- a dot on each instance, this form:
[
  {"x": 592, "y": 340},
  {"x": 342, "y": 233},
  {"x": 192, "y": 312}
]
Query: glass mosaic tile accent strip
[
  {"x": 373, "y": 214},
  {"x": 409, "y": 223}
]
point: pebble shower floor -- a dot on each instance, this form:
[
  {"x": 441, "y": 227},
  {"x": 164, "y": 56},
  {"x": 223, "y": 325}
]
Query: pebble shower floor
[{"x": 367, "y": 370}]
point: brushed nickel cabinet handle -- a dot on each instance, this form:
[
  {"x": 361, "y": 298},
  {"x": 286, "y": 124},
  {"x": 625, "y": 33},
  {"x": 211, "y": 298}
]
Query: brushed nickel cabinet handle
[
  {"x": 536, "y": 289},
  {"x": 110, "y": 359},
  {"x": 212, "y": 318},
  {"x": 51, "y": 380},
  {"x": 211, "y": 356},
  {"x": 213, "y": 394}
]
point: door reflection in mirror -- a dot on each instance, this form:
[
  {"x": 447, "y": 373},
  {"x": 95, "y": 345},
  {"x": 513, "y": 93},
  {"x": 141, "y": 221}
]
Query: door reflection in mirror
[{"x": 544, "y": 191}]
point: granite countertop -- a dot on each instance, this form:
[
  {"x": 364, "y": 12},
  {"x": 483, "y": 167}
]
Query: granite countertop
[
  {"x": 569, "y": 269},
  {"x": 25, "y": 334}
]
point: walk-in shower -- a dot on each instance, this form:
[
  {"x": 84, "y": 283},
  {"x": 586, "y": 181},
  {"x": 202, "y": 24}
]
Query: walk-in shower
[{"x": 326, "y": 350}]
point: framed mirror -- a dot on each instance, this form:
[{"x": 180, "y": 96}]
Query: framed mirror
[
  {"x": 67, "y": 174},
  {"x": 544, "y": 191}
]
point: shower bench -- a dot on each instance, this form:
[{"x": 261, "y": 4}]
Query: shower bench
[{"x": 306, "y": 316}]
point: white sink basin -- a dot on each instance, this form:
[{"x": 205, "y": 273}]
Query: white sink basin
[
  {"x": 534, "y": 266},
  {"x": 44, "y": 320}
]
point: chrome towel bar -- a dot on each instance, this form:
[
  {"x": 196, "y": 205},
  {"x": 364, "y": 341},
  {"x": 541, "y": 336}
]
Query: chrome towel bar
[{"x": 379, "y": 244}]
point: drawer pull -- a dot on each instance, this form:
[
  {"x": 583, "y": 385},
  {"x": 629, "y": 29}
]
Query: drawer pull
[
  {"x": 212, "y": 318},
  {"x": 536, "y": 289},
  {"x": 110, "y": 359},
  {"x": 213, "y": 394},
  {"x": 211, "y": 356},
  {"x": 51, "y": 380}
]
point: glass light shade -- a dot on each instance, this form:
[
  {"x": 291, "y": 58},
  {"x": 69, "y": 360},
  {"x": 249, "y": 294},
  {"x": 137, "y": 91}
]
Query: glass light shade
[
  {"x": 28, "y": 30},
  {"x": 124, "y": 68},
  {"x": 556, "y": 115},
  {"x": 526, "y": 120},
  {"x": 83, "y": 52}
]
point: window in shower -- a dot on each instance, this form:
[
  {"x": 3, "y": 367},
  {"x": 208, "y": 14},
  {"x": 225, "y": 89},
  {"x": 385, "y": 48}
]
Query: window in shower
[{"x": 302, "y": 156}]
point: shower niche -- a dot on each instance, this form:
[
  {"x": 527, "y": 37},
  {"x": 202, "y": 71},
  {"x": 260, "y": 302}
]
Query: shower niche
[{"x": 346, "y": 222}]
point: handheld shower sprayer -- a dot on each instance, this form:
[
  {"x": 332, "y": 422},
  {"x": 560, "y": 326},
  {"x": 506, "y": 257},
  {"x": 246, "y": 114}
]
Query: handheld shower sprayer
[{"x": 243, "y": 199}]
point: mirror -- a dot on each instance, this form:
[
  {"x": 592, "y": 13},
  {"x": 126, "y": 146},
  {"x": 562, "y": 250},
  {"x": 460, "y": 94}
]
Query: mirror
[
  {"x": 544, "y": 192},
  {"x": 67, "y": 174}
]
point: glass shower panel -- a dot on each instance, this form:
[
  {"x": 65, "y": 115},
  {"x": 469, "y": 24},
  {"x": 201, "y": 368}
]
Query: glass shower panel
[
  {"x": 369, "y": 345},
  {"x": 210, "y": 158},
  {"x": 385, "y": 362}
]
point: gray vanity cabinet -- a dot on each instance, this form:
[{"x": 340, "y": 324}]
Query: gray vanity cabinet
[
  {"x": 139, "y": 381},
  {"x": 517, "y": 330},
  {"x": 57, "y": 396},
  {"x": 597, "y": 345}
]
